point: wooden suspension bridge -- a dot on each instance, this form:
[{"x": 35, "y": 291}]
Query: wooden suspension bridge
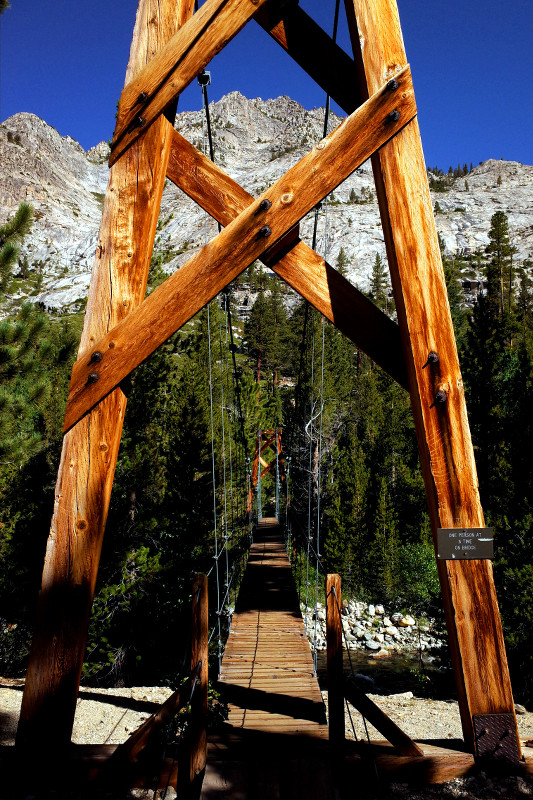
[{"x": 172, "y": 44}]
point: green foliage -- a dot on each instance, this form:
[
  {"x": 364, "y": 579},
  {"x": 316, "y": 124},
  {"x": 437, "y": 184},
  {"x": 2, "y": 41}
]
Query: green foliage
[
  {"x": 347, "y": 427},
  {"x": 11, "y": 235}
]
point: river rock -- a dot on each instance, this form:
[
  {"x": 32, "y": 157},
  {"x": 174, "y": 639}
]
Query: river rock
[
  {"x": 382, "y": 654},
  {"x": 379, "y": 610},
  {"x": 520, "y": 709},
  {"x": 371, "y": 645},
  {"x": 406, "y": 622}
]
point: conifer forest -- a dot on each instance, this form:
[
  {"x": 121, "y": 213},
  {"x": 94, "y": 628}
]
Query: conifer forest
[{"x": 194, "y": 410}]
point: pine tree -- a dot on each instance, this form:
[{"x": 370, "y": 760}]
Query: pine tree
[
  {"x": 379, "y": 284},
  {"x": 500, "y": 266},
  {"x": 11, "y": 235},
  {"x": 343, "y": 262}
]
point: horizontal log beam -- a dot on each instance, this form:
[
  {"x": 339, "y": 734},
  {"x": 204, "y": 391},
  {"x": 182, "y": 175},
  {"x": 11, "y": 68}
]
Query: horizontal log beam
[
  {"x": 266, "y": 220},
  {"x": 176, "y": 65},
  {"x": 299, "y": 266},
  {"x": 313, "y": 50}
]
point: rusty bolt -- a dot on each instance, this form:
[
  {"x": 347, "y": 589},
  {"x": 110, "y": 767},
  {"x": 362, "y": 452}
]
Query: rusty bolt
[
  {"x": 264, "y": 205},
  {"x": 265, "y": 232},
  {"x": 92, "y": 377},
  {"x": 392, "y": 85},
  {"x": 96, "y": 356},
  {"x": 143, "y": 97}
]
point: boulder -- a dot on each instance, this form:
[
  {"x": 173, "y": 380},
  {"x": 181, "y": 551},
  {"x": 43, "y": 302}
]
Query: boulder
[
  {"x": 406, "y": 622},
  {"x": 371, "y": 645},
  {"x": 382, "y": 653}
]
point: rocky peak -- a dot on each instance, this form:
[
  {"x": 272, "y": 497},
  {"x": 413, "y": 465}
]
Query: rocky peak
[{"x": 256, "y": 141}]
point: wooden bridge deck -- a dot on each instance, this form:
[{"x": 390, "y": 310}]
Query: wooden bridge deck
[{"x": 274, "y": 743}]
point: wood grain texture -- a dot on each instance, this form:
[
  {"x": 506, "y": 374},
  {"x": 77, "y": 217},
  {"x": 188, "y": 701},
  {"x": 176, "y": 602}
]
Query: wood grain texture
[
  {"x": 185, "y": 292},
  {"x": 313, "y": 50},
  {"x": 303, "y": 269},
  {"x": 474, "y": 627},
  {"x": 90, "y": 450},
  {"x": 273, "y": 742},
  {"x": 335, "y": 679},
  {"x": 175, "y": 65},
  {"x": 199, "y": 673}
]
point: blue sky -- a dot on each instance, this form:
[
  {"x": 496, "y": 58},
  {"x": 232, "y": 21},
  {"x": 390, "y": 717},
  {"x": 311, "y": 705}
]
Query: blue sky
[{"x": 471, "y": 59}]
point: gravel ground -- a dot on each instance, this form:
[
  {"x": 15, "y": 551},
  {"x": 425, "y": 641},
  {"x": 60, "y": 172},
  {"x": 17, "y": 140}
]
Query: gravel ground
[
  {"x": 103, "y": 716},
  {"x": 110, "y": 715}
]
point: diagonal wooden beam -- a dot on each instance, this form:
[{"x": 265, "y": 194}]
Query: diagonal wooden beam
[
  {"x": 303, "y": 269},
  {"x": 269, "y": 218},
  {"x": 172, "y": 69},
  {"x": 313, "y": 50},
  {"x": 381, "y": 721}
]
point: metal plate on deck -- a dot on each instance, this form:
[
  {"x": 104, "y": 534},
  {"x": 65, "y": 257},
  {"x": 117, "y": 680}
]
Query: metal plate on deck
[
  {"x": 495, "y": 736},
  {"x": 465, "y": 543}
]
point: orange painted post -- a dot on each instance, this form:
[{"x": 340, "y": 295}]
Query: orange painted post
[{"x": 335, "y": 677}]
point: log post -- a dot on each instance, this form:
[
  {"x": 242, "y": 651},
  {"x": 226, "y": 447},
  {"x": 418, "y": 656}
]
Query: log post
[
  {"x": 335, "y": 677},
  {"x": 90, "y": 449},
  {"x": 199, "y": 673},
  {"x": 436, "y": 387}
]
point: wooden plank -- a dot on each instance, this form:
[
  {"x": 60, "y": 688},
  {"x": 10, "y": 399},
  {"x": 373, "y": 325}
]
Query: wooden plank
[
  {"x": 90, "y": 450},
  {"x": 473, "y": 621},
  {"x": 199, "y": 662},
  {"x": 185, "y": 292},
  {"x": 311, "y": 47},
  {"x": 335, "y": 678},
  {"x": 303, "y": 269},
  {"x": 175, "y": 65}
]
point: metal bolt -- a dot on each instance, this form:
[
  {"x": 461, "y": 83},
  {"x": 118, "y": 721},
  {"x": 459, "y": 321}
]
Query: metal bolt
[
  {"x": 138, "y": 122},
  {"x": 96, "y": 356},
  {"x": 265, "y": 232},
  {"x": 433, "y": 358},
  {"x": 392, "y": 116},
  {"x": 392, "y": 85},
  {"x": 92, "y": 377},
  {"x": 143, "y": 97},
  {"x": 440, "y": 398},
  {"x": 264, "y": 205}
]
